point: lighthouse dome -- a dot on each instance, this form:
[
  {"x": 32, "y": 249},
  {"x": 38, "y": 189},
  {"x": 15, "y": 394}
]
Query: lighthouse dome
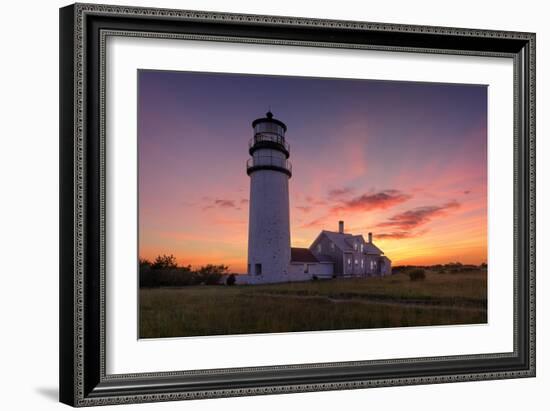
[
  {"x": 269, "y": 124},
  {"x": 269, "y": 133}
]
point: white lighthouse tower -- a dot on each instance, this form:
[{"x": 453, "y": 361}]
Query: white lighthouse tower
[{"x": 269, "y": 221}]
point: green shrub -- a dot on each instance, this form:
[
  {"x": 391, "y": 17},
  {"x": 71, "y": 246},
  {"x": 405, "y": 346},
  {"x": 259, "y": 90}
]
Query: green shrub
[{"x": 417, "y": 274}]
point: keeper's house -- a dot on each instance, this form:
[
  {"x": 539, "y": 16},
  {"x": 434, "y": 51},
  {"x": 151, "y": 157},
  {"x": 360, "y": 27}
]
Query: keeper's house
[{"x": 340, "y": 254}]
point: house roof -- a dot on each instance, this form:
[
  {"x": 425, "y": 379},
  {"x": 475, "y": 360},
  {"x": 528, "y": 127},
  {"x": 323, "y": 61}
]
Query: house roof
[
  {"x": 339, "y": 239},
  {"x": 302, "y": 255},
  {"x": 350, "y": 239},
  {"x": 344, "y": 241},
  {"x": 370, "y": 248}
]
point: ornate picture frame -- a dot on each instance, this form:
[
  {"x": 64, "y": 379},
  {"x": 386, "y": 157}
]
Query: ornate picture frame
[{"x": 84, "y": 29}]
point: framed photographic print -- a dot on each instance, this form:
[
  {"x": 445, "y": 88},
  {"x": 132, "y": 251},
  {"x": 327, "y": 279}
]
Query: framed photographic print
[{"x": 263, "y": 204}]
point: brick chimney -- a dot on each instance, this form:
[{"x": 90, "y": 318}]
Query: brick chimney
[
  {"x": 370, "y": 237},
  {"x": 341, "y": 226}
]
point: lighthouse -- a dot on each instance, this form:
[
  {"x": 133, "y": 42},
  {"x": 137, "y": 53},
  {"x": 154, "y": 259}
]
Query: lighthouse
[{"x": 269, "y": 221}]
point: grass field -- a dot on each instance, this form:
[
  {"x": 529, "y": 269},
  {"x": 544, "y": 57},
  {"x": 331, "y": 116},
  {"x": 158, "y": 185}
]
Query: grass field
[{"x": 393, "y": 301}]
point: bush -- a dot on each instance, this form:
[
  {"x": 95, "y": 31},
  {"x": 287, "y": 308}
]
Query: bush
[
  {"x": 211, "y": 274},
  {"x": 164, "y": 262},
  {"x": 167, "y": 277},
  {"x": 164, "y": 272},
  {"x": 417, "y": 274},
  {"x": 231, "y": 279}
]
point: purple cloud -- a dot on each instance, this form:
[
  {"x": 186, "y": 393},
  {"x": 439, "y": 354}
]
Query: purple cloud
[
  {"x": 338, "y": 193},
  {"x": 221, "y": 203},
  {"x": 380, "y": 200},
  {"x": 411, "y": 219}
]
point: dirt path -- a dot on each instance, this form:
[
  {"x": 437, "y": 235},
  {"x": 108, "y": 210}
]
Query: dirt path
[{"x": 437, "y": 304}]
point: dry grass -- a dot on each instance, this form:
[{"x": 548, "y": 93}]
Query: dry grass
[{"x": 395, "y": 301}]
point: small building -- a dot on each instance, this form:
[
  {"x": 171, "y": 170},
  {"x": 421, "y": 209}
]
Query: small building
[
  {"x": 304, "y": 264},
  {"x": 350, "y": 254}
]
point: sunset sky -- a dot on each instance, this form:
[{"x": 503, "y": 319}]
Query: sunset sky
[{"x": 406, "y": 161}]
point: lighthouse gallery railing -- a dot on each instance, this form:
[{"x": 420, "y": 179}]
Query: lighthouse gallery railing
[
  {"x": 269, "y": 137},
  {"x": 268, "y": 161}
]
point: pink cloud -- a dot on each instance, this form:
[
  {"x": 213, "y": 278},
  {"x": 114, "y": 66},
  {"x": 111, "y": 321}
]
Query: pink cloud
[{"x": 315, "y": 223}]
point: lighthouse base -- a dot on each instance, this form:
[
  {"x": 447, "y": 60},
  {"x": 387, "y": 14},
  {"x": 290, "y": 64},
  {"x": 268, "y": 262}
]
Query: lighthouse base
[{"x": 296, "y": 272}]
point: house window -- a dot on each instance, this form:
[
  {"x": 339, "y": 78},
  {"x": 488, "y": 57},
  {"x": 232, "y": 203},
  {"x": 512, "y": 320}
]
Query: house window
[
  {"x": 349, "y": 261},
  {"x": 332, "y": 246},
  {"x": 362, "y": 263},
  {"x": 356, "y": 262},
  {"x": 371, "y": 266},
  {"x": 355, "y": 246},
  {"x": 361, "y": 247},
  {"x": 319, "y": 248},
  {"x": 258, "y": 269},
  {"x": 306, "y": 268}
]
